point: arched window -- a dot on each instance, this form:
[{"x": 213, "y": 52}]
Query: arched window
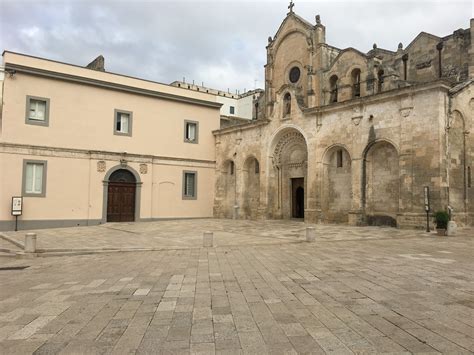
[
  {"x": 356, "y": 83},
  {"x": 380, "y": 80},
  {"x": 333, "y": 88},
  {"x": 257, "y": 167},
  {"x": 287, "y": 104},
  {"x": 339, "y": 158}
]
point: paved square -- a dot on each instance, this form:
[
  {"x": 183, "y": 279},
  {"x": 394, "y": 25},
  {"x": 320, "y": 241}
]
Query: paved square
[{"x": 261, "y": 290}]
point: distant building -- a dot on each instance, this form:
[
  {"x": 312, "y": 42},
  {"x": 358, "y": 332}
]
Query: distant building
[{"x": 236, "y": 106}]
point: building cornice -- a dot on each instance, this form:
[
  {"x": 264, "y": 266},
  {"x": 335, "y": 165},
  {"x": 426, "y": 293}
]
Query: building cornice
[
  {"x": 384, "y": 96},
  {"x": 109, "y": 85},
  {"x": 16, "y": 148},
  {"x": 241, "y": 127}
]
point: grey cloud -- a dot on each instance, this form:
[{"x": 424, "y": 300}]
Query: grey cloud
[{"x": 220, "y": 43}]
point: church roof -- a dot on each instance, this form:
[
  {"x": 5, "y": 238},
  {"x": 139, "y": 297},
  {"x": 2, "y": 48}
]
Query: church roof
[{"x": 298, "y": 18}]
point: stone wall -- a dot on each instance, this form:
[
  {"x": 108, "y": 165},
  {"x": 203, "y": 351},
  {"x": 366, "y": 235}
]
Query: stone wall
[{"x": 366, "y": 158}]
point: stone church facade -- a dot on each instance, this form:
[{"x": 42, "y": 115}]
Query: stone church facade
[{"x": 353, "y": 137}]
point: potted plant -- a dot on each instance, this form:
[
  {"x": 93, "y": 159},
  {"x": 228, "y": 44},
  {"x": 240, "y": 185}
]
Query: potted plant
[{"x": 441, "y": 220}]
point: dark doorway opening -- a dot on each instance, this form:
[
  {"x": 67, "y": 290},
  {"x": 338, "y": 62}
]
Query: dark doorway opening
[
  {"x": 121, "y": 197},
  {"x": 297, "y": 197}
]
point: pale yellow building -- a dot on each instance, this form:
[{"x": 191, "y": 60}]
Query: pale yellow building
[{"x": 85, "y": 146}]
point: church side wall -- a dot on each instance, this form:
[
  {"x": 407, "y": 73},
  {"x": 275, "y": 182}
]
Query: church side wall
[{"x": 403, "y": 130}]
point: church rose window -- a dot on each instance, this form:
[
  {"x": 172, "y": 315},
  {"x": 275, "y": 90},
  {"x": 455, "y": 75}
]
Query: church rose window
[{"x": 294, "y": 74}]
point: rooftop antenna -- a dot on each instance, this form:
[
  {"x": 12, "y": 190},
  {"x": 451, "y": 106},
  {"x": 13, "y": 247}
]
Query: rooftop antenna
[
  {"x": 184, "y": 79},
  {"x": 255, "y": 83}
]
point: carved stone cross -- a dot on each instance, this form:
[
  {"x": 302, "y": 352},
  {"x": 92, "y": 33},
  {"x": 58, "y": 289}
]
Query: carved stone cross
[{"x": 291, "y": 6}]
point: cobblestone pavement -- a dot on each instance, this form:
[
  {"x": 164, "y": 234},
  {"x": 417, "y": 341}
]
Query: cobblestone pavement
[
  {"x": 188, "y": 234},
  {"x": 390, "y": 292}
]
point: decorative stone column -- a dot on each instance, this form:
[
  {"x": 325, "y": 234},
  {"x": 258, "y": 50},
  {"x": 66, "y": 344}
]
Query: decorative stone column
[{"x": 357, "y": 214}]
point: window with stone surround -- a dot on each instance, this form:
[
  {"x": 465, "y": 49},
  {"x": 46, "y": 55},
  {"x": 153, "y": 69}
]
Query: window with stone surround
[
  {"x": 34, "y": 178},
  {"x": 191, "y": 131},
  {"x": 189, "y": 185},
  {"x": 37, "y": 111},
  {"x": 123, "y": 123}
]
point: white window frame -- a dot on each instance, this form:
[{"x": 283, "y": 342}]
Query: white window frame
[
  {"x": 117, "y": 115},
  {"x": 196, "y": 133}
]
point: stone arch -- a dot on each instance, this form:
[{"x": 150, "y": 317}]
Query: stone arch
[
  {"x": 288, "y": 34},
  {"x": 105, "y": 190},
  {"x": 356, "y": 81},
  {"x": 287, "y": 170},
  {"x": 336, "y": 194},
  {"x": 333, "y": 88},
  {"x": 381, "y": 183},
  {"x": 380, "y": 79},
  {"x": 457, "y": 162},
  {"x": 228, "y": 174},
  {"x": 251, "y": 188}
]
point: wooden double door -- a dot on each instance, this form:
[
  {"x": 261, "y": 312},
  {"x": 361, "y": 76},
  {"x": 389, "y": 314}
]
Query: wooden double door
[{"x": 121, "y": 198}]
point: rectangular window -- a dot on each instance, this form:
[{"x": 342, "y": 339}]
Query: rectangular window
[
  {"x": 191, "y": 130},
  {"x": 123, "y": 123},
  {"x": 37, "y": 111},
  {"x": 232, "y": 110},
  {"x": 231, "y": 168},
  {"x": 339, "y": 158},
  {"x": 189, "y": 185},
  {"x": 34, "y": 178}
]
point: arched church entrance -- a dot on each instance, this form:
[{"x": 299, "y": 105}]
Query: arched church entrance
[
  {"x": 288, "y": 175},
  {"x": 121, "y": 196}
]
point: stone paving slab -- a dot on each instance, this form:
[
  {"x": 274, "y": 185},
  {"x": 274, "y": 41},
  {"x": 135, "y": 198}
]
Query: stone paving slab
[
  {"x": 396, "y": 293},
  {"x": 188, "y": 234}
]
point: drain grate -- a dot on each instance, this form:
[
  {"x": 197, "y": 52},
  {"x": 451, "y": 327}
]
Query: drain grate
[{"x": 9, "y": 268}]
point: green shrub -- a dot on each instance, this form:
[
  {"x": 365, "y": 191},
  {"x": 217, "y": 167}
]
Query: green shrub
[{"x": 441, "y": 219}]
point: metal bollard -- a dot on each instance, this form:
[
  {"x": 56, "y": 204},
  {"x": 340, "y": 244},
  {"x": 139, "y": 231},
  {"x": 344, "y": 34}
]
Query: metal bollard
[
  {"x": 310, "y": 234},
  {"x": 207, "y": 239},
  {"x": 30, "y": 242}
]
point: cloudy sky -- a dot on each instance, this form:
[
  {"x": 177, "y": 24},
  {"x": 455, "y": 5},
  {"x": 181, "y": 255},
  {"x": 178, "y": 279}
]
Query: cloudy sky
[{"x": 221, "y": 43}]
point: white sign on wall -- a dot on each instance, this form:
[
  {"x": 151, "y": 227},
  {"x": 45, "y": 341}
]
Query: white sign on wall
[{"x": 17, "y": 206}]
